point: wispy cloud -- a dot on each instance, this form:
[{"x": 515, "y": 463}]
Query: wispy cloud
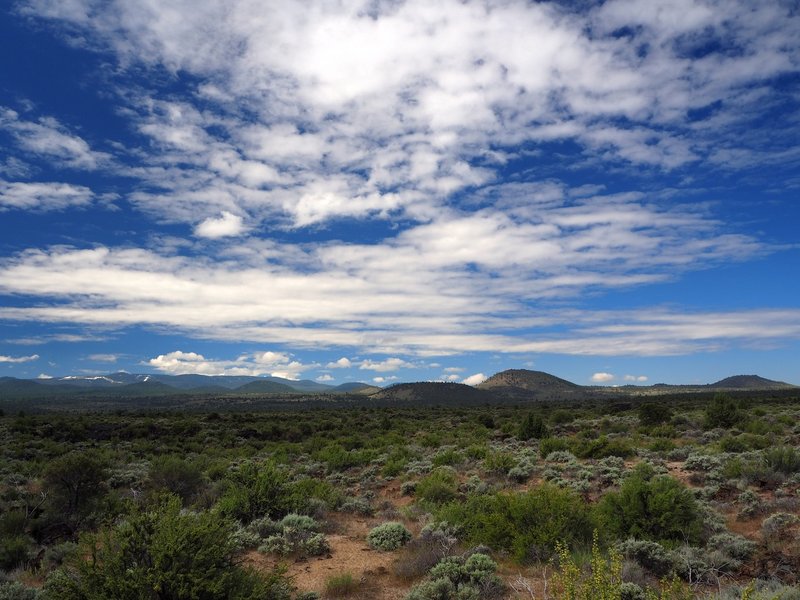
[
  {"x": 18, "y": 359},
  {"x": 39, "y": 197}
]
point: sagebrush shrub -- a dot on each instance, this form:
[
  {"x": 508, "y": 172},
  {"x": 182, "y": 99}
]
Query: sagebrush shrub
[{"x": 388, "y": 536}]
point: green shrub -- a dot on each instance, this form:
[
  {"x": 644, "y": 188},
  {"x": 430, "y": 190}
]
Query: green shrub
[
  {"x": 256, "y": 491},
  {"x": 162, "y": 551},
  {"x": 783, "y": 459},
  {"x": 651, "y": 415},
  {"x": 297, "y": 535},
  {"x": 532, "y": 427},
  {"x": 549, "y": 445},
  {"x": 15, "y": 551},
  {"x": 603, "y": 447},
  {"x": 722, "y": 412},
  {"x": 173, "y": 474},
  {"x": 303, "y": 492},
  {"x": 439, "y": 487},
  {"x": 457, "y": 578},
  {"x": 499, "y": 461},
  {"x": 528, "y": 524},
  {"x": 649, "y": 506},
  {"x": 13, "y": 590},
  {"x": 388, "y": 536}
]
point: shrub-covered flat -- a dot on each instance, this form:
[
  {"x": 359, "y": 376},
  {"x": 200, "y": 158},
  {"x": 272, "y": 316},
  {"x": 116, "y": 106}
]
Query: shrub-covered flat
[{"x": 661, "y": 499}]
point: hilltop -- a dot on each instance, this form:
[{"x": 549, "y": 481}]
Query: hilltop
[{"x": 750, "y": 382}]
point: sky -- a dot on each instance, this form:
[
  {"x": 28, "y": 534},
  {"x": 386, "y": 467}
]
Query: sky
[{"x": 387, "y": 190}]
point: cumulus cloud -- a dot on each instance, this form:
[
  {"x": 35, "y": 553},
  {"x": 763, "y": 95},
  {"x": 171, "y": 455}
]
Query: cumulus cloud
[
  {"x": 639, "y": 378},
  {"x": 325, "y": 377},
  {"x": 384, "y": 379},
  {"x": 44, "y": 376},
  {"x": 225, "y": 225},
  {"x": 474, "y": 379},
  {"x": 18, "y": 359},
  {"x": 602, "y": 377},
  {"x": 342, "y": 363},
  {"x": 275, "y": 364}
]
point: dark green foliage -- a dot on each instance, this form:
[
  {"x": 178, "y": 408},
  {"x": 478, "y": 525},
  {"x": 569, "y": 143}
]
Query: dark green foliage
[
  {"x": 552, "y": 444},
  {"x": 75, "y": 481},
  {"x": 304, "y": 492},
  {"x": 723, "y": 412},
  {"x": 529, "y": 524},
  {"x": 653, "y": 507},
  {"x": 532, "y": 428},
  {"x": 651, "y": 415},
  {"x": 162, "y": 552},
  {"x": 256, "y": 491},
  {"x": 173, "y": 474},
  {"x": 603, "y": 447},
  {"x": 15, "y": 551}
]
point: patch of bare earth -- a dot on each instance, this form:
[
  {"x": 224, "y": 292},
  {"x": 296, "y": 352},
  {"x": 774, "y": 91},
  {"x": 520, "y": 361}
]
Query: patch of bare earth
[{"x": 349, "y": 554}]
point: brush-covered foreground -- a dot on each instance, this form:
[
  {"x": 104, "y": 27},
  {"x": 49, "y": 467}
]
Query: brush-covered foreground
[{"x": 694, "y": 498}]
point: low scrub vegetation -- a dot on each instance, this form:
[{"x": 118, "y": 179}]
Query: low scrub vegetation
[{"x": 630, "y": 501}]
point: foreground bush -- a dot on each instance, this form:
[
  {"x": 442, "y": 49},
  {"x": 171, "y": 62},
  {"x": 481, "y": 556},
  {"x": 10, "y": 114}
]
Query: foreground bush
[
  {"x": 653, "y": 507},
  {"x": 162, "y": 552},
  {"x": 529, "y": 525},
  {"x": 457, "y": 578},
  {"x": 297, "y": 535},
  {"x": 256, "y": 491},
  {"x": 388, "y": 536}
]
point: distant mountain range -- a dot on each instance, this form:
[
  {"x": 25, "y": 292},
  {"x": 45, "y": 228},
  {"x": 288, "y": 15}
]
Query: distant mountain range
[
  {"x": 122, "y": 384},
  {"x": 515, "y": 385}
]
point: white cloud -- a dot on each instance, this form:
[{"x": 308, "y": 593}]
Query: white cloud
[
  {"x": 451, "y": 377},
  {"x": 342, "y": 363},
  {"x": 44, "y": 376},
  {"x": 381, "y": 379},
  {"x": 602, "y": 377},
  {"x": 474, "y": 379},
  {"x": 275, "y": 364},
  {"x": 42, "y": 197},
  {"x": 639, "y": 378},
  {"x": 453, "y": 369},
  {"x": 325, "y": 377},
  {"x": 226, "y": 225},
  {"x": 18, "y": 359},
  {"x": 49, "y": 139},
  {"x": 294, "y": 123},
  {"x": 109, "y": 358},
  {"x": 390, "y": 364}
]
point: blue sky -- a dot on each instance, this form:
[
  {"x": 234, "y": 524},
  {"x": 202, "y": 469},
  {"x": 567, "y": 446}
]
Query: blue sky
[{"x": 391, "y": 191}]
